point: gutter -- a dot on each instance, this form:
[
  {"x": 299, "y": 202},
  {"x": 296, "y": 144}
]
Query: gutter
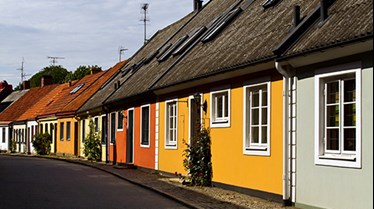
[{"x": 286, "y": 160}]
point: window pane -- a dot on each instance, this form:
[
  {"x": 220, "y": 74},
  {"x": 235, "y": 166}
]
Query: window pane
[
  {"x": 255, "y": 117},
  {"x": 264, "y": 116},
  {"x": 333, "y": 116},
  {"x": 350, "y": 91},
  {"x": 350, "y": 115},
  {"x": 332, "y": 139},
  {"x": 350, "y": 139},
  {"x": 264, "y": 136},
  {"x": 333, "y": 93},
  {"x": 264, "y": 98},
  {"x": 226, "y": 105},
  {"x": 255, "y": 99},
  {"x": 219, "y": 106},
  {"x": 255, "y": 135}
]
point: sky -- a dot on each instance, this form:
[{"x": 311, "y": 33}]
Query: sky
[{"x": 80, "y": 32}]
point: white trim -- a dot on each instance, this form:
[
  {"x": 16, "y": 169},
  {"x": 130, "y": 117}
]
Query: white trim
[
  {"x": 349, "y": 161},
  {"x": 117, "y": 118},
  {"x": 157, "y": 135},
  {"x": 110, "y": 128},
  {"x": 149, "y": 126},
  {"x": 168, "y": 145},
  {"x": 224, "y": 122},
  {"x": 256, "y": 150}
]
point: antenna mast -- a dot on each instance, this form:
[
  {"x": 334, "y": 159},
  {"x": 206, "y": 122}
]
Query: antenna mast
[
  {"x": 144, "y": 8},
  {"x": 23, "y": 75},
  {"x": 54, "y": 59},
  {"x": 121, "y": 50}
]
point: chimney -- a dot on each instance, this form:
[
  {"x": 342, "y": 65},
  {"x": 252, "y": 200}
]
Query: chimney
[
  {"x": 25, "y": 85},
  {"x": 46, "y": 80},
  {"x": 197, "y": 5},
  {"x": 94, "y": 70},
  {"x": 324, "y": 10},
  {"x": 296, "y": 15}
]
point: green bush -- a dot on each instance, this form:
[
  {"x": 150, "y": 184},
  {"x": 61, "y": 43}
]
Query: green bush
[
  {"x": 92, "y": 144},
  {"x": 198, "y": 159},
  {"x": 13, "y": 145},
  {"x": 42, "y": 143}
]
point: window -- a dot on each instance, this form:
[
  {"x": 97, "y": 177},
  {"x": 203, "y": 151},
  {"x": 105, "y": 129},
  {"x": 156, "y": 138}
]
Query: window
[
  {"x": 337, "y": 121},
  {"x": 171, "y": 49},
  {"x": 120, "y": 120},
  {"x": 46, "y": 128},
  {"x": 269, "y": 3},
  {"x": 96, "y": 125},
  {"x": 145, "y": 126},
  {"x": 68, "y": 130},
  {"x": 189, "y": 40},
  {"x": 257, "y": 119},
  {"x": 113, "y": 128},
  {"x": 62, "y": 129},
  {"x": 76, "y": 89},
  {"x": 220, "y": 109},
  {"x": 220, "y": 24},
  {"x": 4, "y": 134},
  {"x": 83, "y": 130},
  {"x": 171, "y": 124}
]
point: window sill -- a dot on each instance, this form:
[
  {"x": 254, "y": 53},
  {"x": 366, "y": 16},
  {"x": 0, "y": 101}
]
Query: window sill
[
  {"x": 145, "y": 146},
  {"x": 220, "y": 124},
  {"x": 171, "y": 146},
  {"x": 338, "y": 157}
]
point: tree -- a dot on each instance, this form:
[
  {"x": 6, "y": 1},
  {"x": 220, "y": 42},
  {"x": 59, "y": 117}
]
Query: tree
[
  {"x": 80, "y": 72},
  {"x": 58, "y": 74},
  {"x": 92, "y": 143}
]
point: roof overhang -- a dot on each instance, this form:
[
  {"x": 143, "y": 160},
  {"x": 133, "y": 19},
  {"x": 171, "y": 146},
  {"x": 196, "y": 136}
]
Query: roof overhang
[
  {"x": 216, "y": 77},
  {"x": 329, "y": 53}
]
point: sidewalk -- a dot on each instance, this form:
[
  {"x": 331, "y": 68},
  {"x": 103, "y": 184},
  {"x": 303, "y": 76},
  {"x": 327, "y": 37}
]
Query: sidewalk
[{"x": 192, "y": 197}]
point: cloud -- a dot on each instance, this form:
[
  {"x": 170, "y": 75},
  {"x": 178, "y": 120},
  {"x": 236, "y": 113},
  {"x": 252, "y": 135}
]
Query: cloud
[{"x": 85, "y": 32}]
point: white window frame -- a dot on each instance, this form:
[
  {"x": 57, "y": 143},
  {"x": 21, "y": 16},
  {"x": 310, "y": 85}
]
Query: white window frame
[
  {"x": 215, "y": 121},
  {"x": 261, "y": 149},
  {"x": 149, "y": 126},
  {"x": 171, "y": 144},
  {"x": 117, "y": 120},
  {"x": 344, "y": 159}
]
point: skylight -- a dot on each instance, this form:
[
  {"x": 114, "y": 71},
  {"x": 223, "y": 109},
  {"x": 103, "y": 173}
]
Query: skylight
[
  {"x": 171, "y": 49},
  {"x": 220, "y": 24},
  {"x": 76, "y": 89},
  {"x": 187, "y": 43},
  {"x": 269, "y": 3}
]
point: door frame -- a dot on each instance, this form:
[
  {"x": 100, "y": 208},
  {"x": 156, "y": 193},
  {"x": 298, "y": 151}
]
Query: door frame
[{"x": 128, "y": 143}]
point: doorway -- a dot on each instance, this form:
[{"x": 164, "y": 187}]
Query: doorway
[{"x": 130, "y": 137}]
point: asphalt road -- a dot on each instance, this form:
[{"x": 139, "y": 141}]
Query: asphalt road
[{"x": 36, "y": 183}]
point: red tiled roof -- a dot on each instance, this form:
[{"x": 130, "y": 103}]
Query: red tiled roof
[
  {"x": 39, "y": 107},
  {"x": 23, "y": 104}
]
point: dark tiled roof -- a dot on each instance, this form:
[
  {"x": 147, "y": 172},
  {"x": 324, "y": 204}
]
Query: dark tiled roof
[
  {"x": 249, "y": 39},
  {"x": 348, "y": 21},
  {"x": 143, "y": 79}
]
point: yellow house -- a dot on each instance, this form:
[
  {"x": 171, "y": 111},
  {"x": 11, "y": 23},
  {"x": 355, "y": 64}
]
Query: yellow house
[{"x": 245, "y": 117}]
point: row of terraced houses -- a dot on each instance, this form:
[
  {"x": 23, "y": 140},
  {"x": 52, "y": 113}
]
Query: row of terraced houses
[{"x": 285, "y": 87}]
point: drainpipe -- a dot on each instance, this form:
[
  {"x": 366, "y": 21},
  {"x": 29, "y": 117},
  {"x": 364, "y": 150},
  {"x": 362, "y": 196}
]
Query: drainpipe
[{"x": 286, "y": 163}]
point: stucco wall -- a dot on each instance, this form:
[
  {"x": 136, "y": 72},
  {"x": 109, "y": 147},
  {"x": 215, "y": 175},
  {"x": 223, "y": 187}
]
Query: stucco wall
[{"x": 327, "y": 186}]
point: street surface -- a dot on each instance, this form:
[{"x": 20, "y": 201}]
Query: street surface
[{"x": 36, "y": 183}]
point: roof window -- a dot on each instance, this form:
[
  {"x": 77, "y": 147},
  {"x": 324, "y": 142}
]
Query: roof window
[
  {"x": 269, "y": 3},
  {"x": 220, "y": 24},
  {"x": 171, "y": 49},
  {"x": 190, "y": 40},
  {"x": 76, "y": 89}
]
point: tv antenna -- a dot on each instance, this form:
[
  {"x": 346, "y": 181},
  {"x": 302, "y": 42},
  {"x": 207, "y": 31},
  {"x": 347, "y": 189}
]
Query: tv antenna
[
  {"x": 54, "y": 59},
  {"x": 23, "y": 75},
  {"x": 145, "y": 19},
  {"x": 121, "y": 51}
]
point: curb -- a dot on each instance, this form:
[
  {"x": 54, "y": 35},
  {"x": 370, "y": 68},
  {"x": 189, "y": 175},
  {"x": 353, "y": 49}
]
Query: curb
[{"x": 165, "y": 194}]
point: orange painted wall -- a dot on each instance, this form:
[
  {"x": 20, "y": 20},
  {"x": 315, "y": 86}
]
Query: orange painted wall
[
  {"x": 117, "y": 151},
  {"x": 145, "y": 156},
  {"x": 64, "y": 146}
]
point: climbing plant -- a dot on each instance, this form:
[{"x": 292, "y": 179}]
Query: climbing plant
[
  {"x": 42, "y": 143},
  {"x": 92, "y": 143},
  {"x": 198, "y": 159}
]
